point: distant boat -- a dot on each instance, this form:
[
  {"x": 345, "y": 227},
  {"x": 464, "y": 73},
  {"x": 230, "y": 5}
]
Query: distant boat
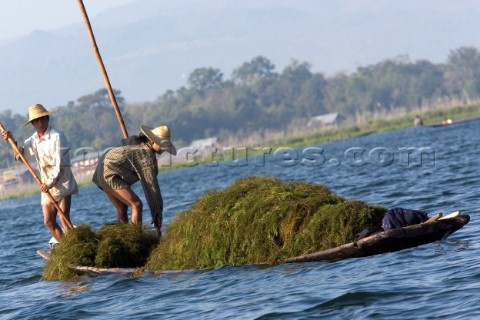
[{"x": 448, "y": 122}]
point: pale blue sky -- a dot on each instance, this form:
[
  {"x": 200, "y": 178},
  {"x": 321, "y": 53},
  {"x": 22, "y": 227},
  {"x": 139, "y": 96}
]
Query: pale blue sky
[{"x": 20, "y": 17}]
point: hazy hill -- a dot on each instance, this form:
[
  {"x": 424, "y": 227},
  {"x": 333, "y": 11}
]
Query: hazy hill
[{"x": 150, "y": 46}]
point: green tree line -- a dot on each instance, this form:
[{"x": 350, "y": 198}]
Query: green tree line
[{"x": 256, "y": 97}]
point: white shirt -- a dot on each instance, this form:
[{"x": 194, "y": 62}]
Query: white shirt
[{"x": 52, "y": 155}]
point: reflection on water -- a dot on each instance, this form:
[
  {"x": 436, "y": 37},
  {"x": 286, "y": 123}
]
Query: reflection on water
[{"x": 73, "y": 288}]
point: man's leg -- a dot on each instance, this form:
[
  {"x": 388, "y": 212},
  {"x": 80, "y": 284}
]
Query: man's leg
[
  {"x": 65, "y": 204},
  {"x": 50, "y": 220},
  {"x": 124, "y": 198}
]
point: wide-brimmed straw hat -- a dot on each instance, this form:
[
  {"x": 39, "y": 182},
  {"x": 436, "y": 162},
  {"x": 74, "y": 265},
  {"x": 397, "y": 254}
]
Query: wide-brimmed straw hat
[
  {"x": 36, "y": 111},
  {"x": 161, "y": 136}
]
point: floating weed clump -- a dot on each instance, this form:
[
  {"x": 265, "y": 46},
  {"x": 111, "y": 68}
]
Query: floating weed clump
[
  {"x": 124, "y": 246},
  {"x": 77, "y": 248},
  {"x": 260, "y": 220},
  {"x": 334, "y": 225},
  {"x": 119, "y": 245}
]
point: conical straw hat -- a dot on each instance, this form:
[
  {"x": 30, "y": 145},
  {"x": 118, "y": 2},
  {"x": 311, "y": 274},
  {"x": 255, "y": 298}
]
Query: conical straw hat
[
  {"x": 36, "y": 111},
  {"x": 161, "y": 136}
]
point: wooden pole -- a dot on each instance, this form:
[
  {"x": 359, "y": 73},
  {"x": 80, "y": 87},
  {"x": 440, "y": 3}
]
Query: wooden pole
[
  {"x": 29, "y": 167},
  {"x": 102, "y": 68}
]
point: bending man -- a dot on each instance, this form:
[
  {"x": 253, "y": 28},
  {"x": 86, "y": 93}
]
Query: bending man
[{"x": 119, "y": 168}]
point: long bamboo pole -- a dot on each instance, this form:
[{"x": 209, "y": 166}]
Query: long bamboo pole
[
  {"x": 102, "y": 68},
  {"x": 29, "y": 167}
]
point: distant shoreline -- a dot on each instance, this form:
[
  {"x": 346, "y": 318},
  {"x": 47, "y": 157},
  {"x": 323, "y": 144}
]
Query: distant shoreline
[{"x": 432, "y": 118}]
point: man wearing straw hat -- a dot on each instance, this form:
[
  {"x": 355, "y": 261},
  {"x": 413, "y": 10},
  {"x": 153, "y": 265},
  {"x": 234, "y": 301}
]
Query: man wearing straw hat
[
  {"x": 49, "y": 147},
  {"x": 119, "y": 168}
]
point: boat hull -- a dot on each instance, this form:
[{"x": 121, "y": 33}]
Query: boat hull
[{"x": 389, "y": 241}]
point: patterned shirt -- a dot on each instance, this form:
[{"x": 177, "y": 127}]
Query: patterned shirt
[
  {"x": 121, "y": 167},
  {"x": 52, "y": 154}
]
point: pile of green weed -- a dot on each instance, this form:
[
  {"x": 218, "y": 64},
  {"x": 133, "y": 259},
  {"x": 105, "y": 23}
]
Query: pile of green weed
[
  {"x": 119, "y": 246},
  {"x": 260, "y": 220},
  {"x": 124, "y": 246}
]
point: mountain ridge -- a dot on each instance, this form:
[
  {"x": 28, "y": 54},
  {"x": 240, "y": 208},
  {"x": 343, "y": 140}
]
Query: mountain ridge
[{"x": 149, "y": 47}]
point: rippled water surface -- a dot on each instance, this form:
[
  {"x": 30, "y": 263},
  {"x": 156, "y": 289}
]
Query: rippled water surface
[{"x": 440, "y": 280}]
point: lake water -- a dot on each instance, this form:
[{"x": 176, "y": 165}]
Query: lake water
[{"x": 440, "y": 280}]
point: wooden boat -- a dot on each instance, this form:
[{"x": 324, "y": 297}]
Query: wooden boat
[
  {"x": 94, "y": 271},
  {"x": 436, "y": 228},
  {"x": 390, "y": 241},
  {"x": 449, "y": 122},
  {"x": 47, "y": 253}
]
